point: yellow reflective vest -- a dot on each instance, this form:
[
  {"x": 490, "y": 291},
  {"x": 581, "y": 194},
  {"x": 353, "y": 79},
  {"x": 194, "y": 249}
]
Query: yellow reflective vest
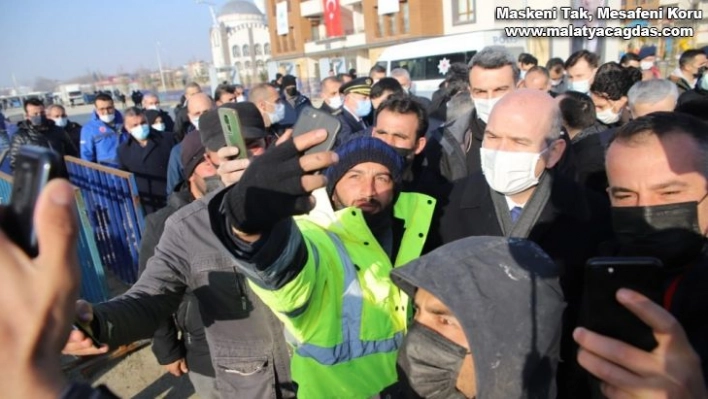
[{"x": 343, "y": 315}]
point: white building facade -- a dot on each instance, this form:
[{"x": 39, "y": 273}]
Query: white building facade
[{"x": 240, "y": 43}]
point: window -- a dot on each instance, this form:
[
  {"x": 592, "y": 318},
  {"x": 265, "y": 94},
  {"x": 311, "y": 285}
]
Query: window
[
  {"x": 260, "y": 64},
  {"x": 266, "y": 49},
  {"x": 238, "y": 66},
  {"x": 463, "y": 12},
  {"x": 258, "y": 49},
  {"x": 380, "y": 26},
  {"x": 247, "y": 64},
  {"x": 246, "y": 51},
  {"x": 392, "y": 25},
  {"x": 426, "y": 68},
  {"x": 235, "y": 51},
  {"x": 406, "y": 14},
  {"x": 315, "y": 32}
]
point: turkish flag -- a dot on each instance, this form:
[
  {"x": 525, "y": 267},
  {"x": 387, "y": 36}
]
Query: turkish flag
[{"x": 333, "y": 18}]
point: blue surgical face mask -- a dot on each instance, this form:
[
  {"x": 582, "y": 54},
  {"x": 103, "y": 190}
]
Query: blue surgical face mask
[
  {"x": 159, "y": 126},
  {"x": 278, "y": 115},
  {"x": 363, "y": 108},
  {"x": 140, "y": 132}
]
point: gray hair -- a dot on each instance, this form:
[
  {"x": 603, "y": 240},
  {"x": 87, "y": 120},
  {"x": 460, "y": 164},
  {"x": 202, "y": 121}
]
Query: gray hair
[
  {"x": 495, "y": 57},
  {"x": 651, "y": 92},
  {"x": 133, "y": 111},
  {"x": 52, "y": 106},
  {"x": 400, "y": 73}
]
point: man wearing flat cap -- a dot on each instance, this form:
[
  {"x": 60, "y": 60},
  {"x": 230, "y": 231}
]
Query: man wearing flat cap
[
  {"x": 357, "y": 106},
  {"x": 252, "y": 128}
]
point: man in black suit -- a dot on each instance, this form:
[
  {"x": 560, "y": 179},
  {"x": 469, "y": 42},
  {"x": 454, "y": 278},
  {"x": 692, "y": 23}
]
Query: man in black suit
[
  {"x": 518, "y": 194},
  {"x": 404, "y": 78},
  {"x": 357, "y": 106}
]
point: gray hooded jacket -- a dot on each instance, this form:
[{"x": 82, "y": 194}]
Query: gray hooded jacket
[{"x": 506, "y": 295}]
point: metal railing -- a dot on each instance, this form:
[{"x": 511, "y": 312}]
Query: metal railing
[{"x": 113, "y": 207}]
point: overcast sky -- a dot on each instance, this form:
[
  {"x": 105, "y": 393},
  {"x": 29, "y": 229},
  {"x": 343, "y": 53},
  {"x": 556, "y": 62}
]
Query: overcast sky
[{"x": 61, "y": 39}]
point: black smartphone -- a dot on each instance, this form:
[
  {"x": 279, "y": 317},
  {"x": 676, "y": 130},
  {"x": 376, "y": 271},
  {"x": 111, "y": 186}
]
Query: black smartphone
[
  {"x": 34, "y": 167},
  {"x": 312, "y": 119},
  {"x": 79, "y": 326},
  {"x": 602, "y": 313}
]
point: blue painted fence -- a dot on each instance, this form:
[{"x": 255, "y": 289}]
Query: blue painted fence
[
  {"x": 93, "y": 279},
  {"x": 114, "y": 211}
]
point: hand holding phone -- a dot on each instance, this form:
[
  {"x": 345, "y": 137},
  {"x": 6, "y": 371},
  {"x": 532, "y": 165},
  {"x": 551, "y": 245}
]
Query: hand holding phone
[{"x": 312, "y": 119}]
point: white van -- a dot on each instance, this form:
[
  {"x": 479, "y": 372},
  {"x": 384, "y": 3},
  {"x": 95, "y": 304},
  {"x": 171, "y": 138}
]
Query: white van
[{"x": 428, "y": 60}]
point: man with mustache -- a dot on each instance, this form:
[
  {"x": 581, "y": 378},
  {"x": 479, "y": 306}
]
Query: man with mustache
[{"x": 327, "y": 278}]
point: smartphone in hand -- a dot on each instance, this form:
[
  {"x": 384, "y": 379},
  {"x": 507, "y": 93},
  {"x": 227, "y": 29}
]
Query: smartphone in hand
[
  {"x": 231, "y": 126},
  {"x": 34, "y": 167},
  {"x": 602, "y": 313},
  {"x": 312, "y": 119}
]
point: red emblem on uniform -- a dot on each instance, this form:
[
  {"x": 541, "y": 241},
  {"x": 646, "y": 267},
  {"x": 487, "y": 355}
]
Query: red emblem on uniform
[{"x": 102, "y": 129}]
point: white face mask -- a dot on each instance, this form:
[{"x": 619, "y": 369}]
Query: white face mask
[
  {"x": 195, "y": 122},
  {"x": 240, "y": 99},
  {"x": 704, "y": 82},
  {"x": 555, "y": 82},
  {"x": 484, "y": 107},
  {"x": 159, "y": 126},
  {"x": 581, "y": 86},
  {"x": 61, "y": 122},
  {"x": 510, "y": 173},
  {"x": 608, "y": 116},
  {"x": 645, "y": 65},
  {"x": 335, "y": 102},
  {"x": 107, "y": 118},
  {"x": 523, "y": 74},
  {"x": 153, "y": 107}
]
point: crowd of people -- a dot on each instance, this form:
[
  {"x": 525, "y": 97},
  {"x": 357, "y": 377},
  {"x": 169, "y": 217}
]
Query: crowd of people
[{"x": 437, "y": 251}]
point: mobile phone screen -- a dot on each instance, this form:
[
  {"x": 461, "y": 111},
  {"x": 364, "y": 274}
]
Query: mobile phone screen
[{"x": 601, "y": 311}]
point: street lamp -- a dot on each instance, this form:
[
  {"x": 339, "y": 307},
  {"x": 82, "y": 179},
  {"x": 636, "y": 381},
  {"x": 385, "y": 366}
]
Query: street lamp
[{"x": 159, "y": 65}]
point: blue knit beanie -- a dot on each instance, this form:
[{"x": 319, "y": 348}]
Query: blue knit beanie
[{"x": 361, "y": 150}]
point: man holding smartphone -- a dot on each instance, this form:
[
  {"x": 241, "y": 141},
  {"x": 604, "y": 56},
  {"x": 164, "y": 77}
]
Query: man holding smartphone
[{"x": 659, "y": 209}]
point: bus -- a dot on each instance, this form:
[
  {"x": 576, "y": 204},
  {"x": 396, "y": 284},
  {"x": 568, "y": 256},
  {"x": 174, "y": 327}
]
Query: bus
[{"x": 428, "y": 60}]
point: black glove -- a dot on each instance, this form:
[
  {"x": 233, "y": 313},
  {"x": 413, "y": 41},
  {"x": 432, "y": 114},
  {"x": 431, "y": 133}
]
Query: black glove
[{"x": 269, "y": 191}]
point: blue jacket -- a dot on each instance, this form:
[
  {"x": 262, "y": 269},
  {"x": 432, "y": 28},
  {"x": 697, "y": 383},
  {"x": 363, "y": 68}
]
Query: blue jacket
[
  {"x": 175, "y": 173},
  {"x": 99, "y": 141}
]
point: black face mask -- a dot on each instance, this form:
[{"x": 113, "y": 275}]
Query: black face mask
[
  {"x": 407, "y": 154},
  {"x": 291, "y": 91},
  {"x": 668, "y": 232},
  {"x": 700, "y": 72},
  {"x": 430, "y": 363}
]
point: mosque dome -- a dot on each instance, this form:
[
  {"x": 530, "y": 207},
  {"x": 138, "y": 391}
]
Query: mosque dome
[{"x": 239, "y": 7}]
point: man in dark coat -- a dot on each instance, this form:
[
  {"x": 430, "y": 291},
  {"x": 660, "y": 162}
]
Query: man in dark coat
[
  {"x": 146, "y": 155},
  {"x": 152, "y": 102},
  {"x": 657, "y": 183},
  {"x": 188, "y": 350},
  {"x": 518, "y": 195},
  {"x": 37, "y": 130},
  {"x": 357, "y": 106},
  {"x": 57, "y": 113},
  {"x": 584, "y": 131},
  {"x": 454, "y": 350},
  {"x": 185, "y": 123},
  {"x": 293, "y": 101}
]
